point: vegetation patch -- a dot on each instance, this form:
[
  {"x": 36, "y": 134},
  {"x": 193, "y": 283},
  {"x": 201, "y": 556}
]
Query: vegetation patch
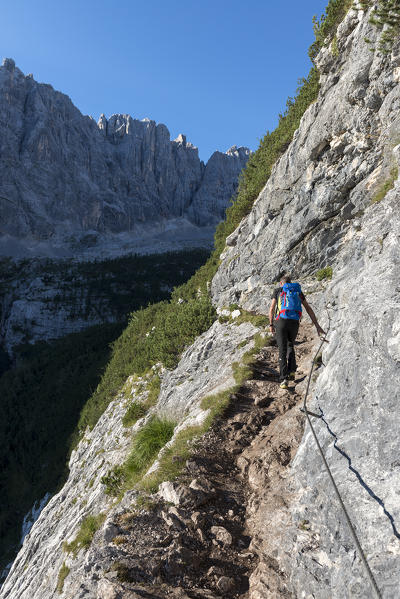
[
  {"x": 62, "y": 575},
  {"x": 386, "y": 186},
  {"x": 257, "y": 320},
  {"x": 324, "y": 273},
  {"x": 326, "y": 26},
  {"x": 386, "y": 17},
  {"x": 149, "y": 440},
  {"x": 176, "y": 325},
  {"x": 85, "y": 535},
  {"x": 173, "y": 459},
  {"x": 135, "y": 412},
  {"x": 243, "y": 370},
  {"x": 137, "y": 409},
  {"x": 145, "y": 447}
]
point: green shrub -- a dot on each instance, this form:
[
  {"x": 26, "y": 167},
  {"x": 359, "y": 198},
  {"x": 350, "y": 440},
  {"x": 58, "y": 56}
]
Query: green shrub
[
  {"x": 62, "y": 575},
  {"x": 386, "y": 186},
  {"x": 114, "y": 480},
  {"x": 173, "y": 459},
  {"x": 85, "y": 535},
  {"x": 324, "y": 273},
  {"x": 387, "y": 13},
  {"x": 148, "y": 442},
  {"x": 325, "y": 27},
  {"x": 135, "y": 411}
]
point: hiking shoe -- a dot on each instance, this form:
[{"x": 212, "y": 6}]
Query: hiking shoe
[
  {"x": 292, "y": 376},
  {"x": 284, "y": 384}
]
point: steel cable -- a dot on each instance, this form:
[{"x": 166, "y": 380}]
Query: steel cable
[{"x": 350, "y": 524}]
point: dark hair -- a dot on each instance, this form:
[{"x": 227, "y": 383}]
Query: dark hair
[{"x": 286, "y": 279}]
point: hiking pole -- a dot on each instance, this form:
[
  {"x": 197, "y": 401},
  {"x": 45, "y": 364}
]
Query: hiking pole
[{"x": 350, "y": 524}]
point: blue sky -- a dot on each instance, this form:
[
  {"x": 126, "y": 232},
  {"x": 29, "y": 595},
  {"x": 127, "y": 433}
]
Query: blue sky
[{"x": 217, "y": 71}]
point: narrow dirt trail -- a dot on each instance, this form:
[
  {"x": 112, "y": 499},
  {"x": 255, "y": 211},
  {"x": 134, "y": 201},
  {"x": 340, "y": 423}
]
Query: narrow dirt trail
[{"x": 214, "y": 542}]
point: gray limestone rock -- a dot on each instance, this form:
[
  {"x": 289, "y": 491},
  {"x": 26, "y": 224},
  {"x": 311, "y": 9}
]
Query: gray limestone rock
[
  {"x": 61, "y": 173},
  {"x": 316, "y": 211}
]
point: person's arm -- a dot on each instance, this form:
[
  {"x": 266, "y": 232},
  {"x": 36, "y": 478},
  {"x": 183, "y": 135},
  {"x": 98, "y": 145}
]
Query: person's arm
[
  {"x": 311, "y": 314},
  {"x": 271, "y": 315}
]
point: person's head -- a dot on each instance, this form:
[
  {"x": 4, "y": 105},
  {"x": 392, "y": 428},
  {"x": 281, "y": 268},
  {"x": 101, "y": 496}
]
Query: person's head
[{"x": 285, "y": 279}]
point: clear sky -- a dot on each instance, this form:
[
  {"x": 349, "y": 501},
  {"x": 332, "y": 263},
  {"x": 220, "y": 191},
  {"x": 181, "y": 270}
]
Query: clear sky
[{"x": 217, "y": 71}]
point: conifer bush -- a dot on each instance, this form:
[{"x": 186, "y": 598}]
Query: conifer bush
[
  {"x": 387, "y": 13},
  {"x": 325, "y": 27}
]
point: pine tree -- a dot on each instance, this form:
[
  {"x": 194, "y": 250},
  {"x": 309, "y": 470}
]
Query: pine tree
[{"x": 387, "y": 13}]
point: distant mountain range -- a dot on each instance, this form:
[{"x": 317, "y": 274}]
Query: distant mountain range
[{"x": 67, "y": 181}]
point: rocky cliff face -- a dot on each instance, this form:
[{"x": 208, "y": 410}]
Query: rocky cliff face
[
  {"x": 63, "y": 174},
  {"x": 316, "y": 210}
]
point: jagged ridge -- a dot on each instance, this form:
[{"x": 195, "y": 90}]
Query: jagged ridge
[{"x": 62, "y": 173}]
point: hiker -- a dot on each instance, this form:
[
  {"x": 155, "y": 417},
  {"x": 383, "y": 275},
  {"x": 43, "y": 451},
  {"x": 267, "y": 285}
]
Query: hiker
[{"x": 286, "y": 307}]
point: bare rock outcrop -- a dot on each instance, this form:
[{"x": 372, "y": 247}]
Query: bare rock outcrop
[
  {"x": 63, "y": 174},
  {"x": 333, "y": 200}
]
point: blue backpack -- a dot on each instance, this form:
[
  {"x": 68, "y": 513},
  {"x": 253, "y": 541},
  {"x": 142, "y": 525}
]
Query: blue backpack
[{"x": 289, "y": 302}]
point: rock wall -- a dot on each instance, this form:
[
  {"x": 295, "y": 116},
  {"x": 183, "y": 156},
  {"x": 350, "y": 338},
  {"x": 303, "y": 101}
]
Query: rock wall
[
  {"x": 318, "y": 209},
  {"x": 39, "y": 303},
  {"x": 61, "y": 173}
]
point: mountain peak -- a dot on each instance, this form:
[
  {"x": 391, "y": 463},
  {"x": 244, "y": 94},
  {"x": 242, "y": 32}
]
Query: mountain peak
[
  {"x": 111, "y": 177},
  {"x": 9, "y": 64}
]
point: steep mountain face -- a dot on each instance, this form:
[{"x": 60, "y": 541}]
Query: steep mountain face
[
  {"x": 332, "y": 201},
  {"x": 63, "y": 174},
  {"x": 323, "y": 206}
]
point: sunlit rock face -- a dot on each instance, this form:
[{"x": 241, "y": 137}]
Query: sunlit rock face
[{"x": 62, "y": 173}]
